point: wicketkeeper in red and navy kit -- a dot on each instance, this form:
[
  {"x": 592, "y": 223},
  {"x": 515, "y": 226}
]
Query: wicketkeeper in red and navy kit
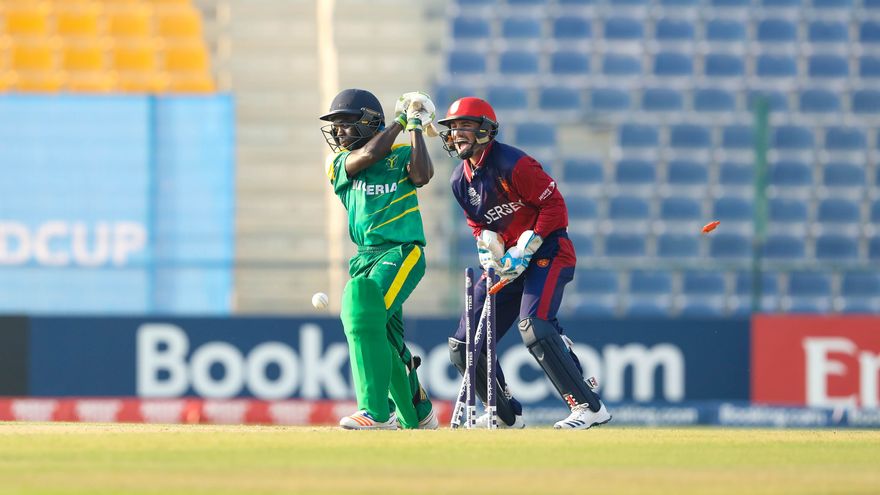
[{"x": 519, "y": 221}]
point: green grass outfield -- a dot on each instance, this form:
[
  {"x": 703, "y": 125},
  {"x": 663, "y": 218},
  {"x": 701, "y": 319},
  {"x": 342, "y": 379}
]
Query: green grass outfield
[{"x": 131, "y": 458}]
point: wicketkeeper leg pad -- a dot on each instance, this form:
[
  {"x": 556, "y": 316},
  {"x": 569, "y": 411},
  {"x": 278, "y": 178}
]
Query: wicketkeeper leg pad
[
  {"x": 546, "y": 345},
  {"x": 504, "y": 406},
  {"x": 363, "y": 318}
]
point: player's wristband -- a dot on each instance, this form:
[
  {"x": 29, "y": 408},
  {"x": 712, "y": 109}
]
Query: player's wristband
[
  {"x": 414, "y": 125},
  {"x": 401, "y": 119}
]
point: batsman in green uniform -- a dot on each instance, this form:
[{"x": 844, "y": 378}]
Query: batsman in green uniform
[{"x": 377, "y": 182}]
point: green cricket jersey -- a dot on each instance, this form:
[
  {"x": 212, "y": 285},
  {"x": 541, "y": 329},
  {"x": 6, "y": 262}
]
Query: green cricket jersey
[{"x": 381, "y": 201}]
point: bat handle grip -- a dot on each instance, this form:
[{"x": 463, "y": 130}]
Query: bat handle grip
[{"x": 496, "y": 288}]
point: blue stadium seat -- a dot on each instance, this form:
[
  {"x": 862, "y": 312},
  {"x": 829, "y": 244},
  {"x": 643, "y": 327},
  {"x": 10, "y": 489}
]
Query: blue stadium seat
[
  {"x": 445, "y": 94},
  {"x": 809, "y": 284},
  {"x": 638, "y": 136},
  {"x": 569, "y": 63},
  {"x": 467, "y": 4},
  {"x": 832, "y": 4},
  {"x": 508, "y": 97},
  {"x": 779, "y": 4},
  {"x": 673, "y": 64},
  {"x": 581, "y": 207},
  {"x": 861, "y": 292},
  {"x": 559, "y": 98},
  {"x": 792, "y": 137},
  {"x": 583, "y": 171},
  {"x": 874, "y": 215},
  {"x": 843, "y": 175},
  {"x": 860, "y": 284},
  {"x": 739, "y": 137},
  {"x": 628, "y": 208},
  {"x": 650, "y": 282},
  {"x": 621, "y": 65},
  {"x": 714, "y": 100},
  {"x": 730, "y": 245},
  {"x": 869, "y": 66},
  {"x": 570, "y": 28},
  {"x": 625, "y": 245},
  {"x": 686, "y": 173},
  {"x": 596, "y": 282},
  {"x": 703, "y": 283},
  {"x": 680, "y": 208},
  {"x": 874, "y": 248},
  {"x": 471, "y": 28},
  {"x": 672, "y": 29},
  {"x": 776, "y": 30},
  {"x": 610, "y": 100},
  {"x": 838, "y": 211},
  {"x": 743, "y": 285},
  {"x": 774, "y": 66},
  {"x": 702, "y": 307},
  {"x": 518, "y": 63},
  {"x": 679, "y": 3},
  {"x": 662, "y": 100},
  {"x": 810, "y": 305},
  {"x": 526, "y": 3},
  {"x": 623, "y": 29},
  {"x": 790, "y": 173},
  {"x": 788, "y": 211},
  {"x": 866, "y": 101},
  {"x": 845, "y": 139},
  {"x": 467, "y": 63},
  {"x": 595, "y": 308},
  {"x": 827, "y": 31},
  {"x": 869, "y": 31},
  {"x": 732, "y": 174},
  {"x": 635, "y": 172},
  {"x": 784, "y": 247},
  {"x": 646, "y": 308},
  {"x": 689, "y": 136},
  {"x": 583, "y": 243},
  {"x": 871, "y": 4},
  {"x": 535, "y": 134},
  {"x": 827, "y": 65},
  {"x": 730, "y": 3},
  {"x": 724, "y": 30},
  {"x": 836, "y": 247},
  {"x": 819, "y": 101},
  {"x": 724, "y": 65},
  {"x": 777, "y": 101},
  {"x": 521, "y": 29},
  {"x": 576, "y": 3},
  {"x": 678, "y": 245},
  {"x": 732, "y": 209}
]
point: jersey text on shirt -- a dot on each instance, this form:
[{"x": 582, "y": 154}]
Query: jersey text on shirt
[
  {"x": 501, "y": 211},
  {"x": 373, "y": 189}
]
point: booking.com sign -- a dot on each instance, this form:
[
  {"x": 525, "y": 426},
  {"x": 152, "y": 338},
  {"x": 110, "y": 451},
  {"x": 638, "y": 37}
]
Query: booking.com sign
[{"x": 56, "y": 243}]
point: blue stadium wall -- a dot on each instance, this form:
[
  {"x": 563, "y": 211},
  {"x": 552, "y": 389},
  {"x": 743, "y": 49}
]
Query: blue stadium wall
[{"x": 116, "y": 205}]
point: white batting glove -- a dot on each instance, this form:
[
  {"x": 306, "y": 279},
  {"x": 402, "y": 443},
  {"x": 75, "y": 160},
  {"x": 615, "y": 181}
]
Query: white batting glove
[
  {"x": 400, "y": 109},
  {"x": 420, "y": 112},
  {"x": 516, "y": 259}
]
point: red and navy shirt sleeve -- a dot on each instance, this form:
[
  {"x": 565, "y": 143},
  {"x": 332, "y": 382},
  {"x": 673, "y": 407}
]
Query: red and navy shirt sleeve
[{"x": 537, "y": 189}]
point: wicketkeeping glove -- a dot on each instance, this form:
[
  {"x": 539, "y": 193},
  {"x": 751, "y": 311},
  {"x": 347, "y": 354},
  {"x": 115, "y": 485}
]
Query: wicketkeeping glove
[
  {"x": 490, "y": 249},
  {"x": 516, "y": 259}
]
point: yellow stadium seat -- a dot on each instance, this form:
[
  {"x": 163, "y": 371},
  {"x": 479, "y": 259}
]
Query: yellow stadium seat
[
  {"x": 7, "y": 81},
  {"x": 129, "y": 20},
  {"x": 198, "y": 82},
  {"x": 84, "y": 56},
  {"x": 38, "y": 81},
  {"x": 190, "y": 57},
  {"x": 90, "y": 82},
  {"x": 141, "y": 82},
  {"x": 136, "y": 56},
  {"x": 78, "y": 19},
  {"x": 179, "y": 22},
  {"x": 34, "y": 55},
  {"x": 25, "y": 19}
]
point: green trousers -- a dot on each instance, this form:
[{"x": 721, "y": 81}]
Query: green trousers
[{"x": 372, "y": 315}]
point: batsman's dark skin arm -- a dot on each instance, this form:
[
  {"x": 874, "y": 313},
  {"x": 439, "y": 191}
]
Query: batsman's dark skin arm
[
  {"x": 376, "y": 148},
  {"x": 420, "y": 168}
]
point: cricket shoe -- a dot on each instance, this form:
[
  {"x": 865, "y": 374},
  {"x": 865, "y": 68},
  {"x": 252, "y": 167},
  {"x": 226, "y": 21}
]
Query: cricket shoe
[
  {"x": 430, "y": 422},
  {"x": 518, "y": 422},
  {"x": 582, "y": 418},
  {"x": 362, "y": 420}
]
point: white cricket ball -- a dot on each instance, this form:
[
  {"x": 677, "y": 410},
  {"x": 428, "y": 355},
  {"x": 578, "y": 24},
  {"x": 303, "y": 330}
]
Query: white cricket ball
[{"x": 320, "y": 300}]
